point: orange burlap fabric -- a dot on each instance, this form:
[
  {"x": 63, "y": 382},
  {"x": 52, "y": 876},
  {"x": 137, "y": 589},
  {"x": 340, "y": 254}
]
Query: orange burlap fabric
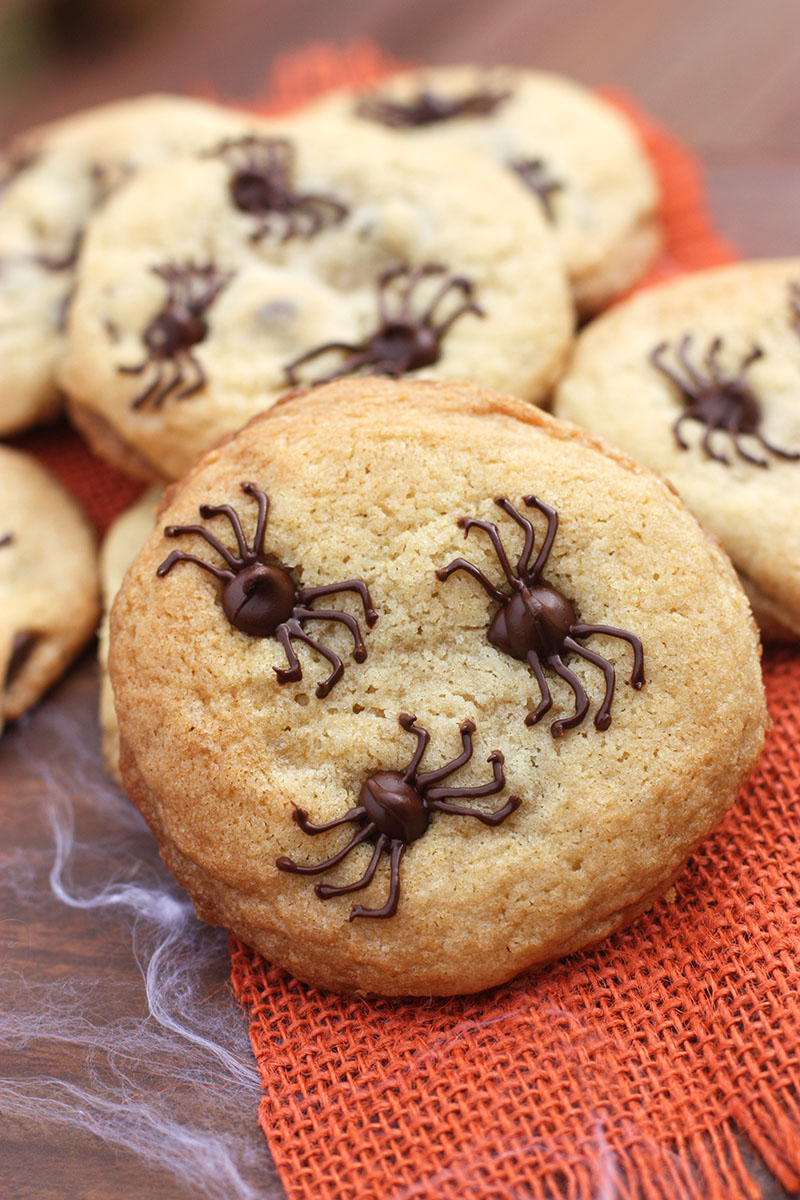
[{"x": 660, "y": 1066}]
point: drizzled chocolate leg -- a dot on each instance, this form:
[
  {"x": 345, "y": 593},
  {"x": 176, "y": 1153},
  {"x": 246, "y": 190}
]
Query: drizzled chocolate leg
[
  {"x": 293, "y": 629},
  {"x": 424, "y": 781},
  {"x": 581, "y": 699},
  {"x": 461, "y": 564},
  {"x": 324, "y": 614},
  {"x": 325, "y": 891},
  {"x": 292, "y": 868},
  {"x": 546, "y": 702},
  {"x": 603, "y": 717},
  {"x": 390, "y": 907}
]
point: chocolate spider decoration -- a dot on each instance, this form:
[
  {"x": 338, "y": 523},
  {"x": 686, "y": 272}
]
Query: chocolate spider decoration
[
  {"x": 428, "y": 108},
  {"x": 402, "y": 342},
  {"x": 536, "y": 623},
  {"x": 533, "y": 173},
  {"x": 6, "y": 540},
  {"x": 177, "y": 327},
  {"x": 261, "y": 598},
  {"x": 394, "y": 810},
  {"x": 724, "y": 403},
  {"x": 261, "y": 186}
]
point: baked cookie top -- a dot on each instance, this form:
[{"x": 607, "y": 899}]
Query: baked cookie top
[
  {"x": 51, "y": 179},
  {"x": 233, "y": 752},
  {"x": 209, "y": 286},
  {"x": 48, "y": 581},
  {"x": 700, "y": 380},
  {"x": 577, "y": 155}
]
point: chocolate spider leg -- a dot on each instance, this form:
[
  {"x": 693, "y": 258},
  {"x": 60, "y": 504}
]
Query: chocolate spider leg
[
  {"x": 692, "y": 374},
  {"x": 286, "y": 864},
  {"x": 328, "y": 614},
  {"x": 200, "y": 381},
  {"x": 676, "y": 428},
  {"x": 413, "y": 276},
  {"x": 546, "y": 702},
  {"x": 603, "y": 718},
  {"x": 207, "y": 511},
  {"x": 142, "y": 398},
  {"x": 637, "y": 673},
  {"x": 306, "y": 595},
  {"x": 709, "y": 449},
  {"x": 493, "y": 818},
  {"x": 325, "y": 890},
  {"x": 174, "y": 381},
  {"x": 181, "y": 556},
  {"x": 390, "y": 907},
  {"x": 581, "y": 699},
  {"x": 552, "y": 529},
  {"x": 424, "y": 781},
  {"x": 408, "y": 722},
  {"x": 262, "y": 500},
  {"x": 712, "y": 363},
  {"x": 655, "y": 357},
  {"x": 468, "y": 523},
  {"x": 467, "y": 305},
  {"x": 508, "y": 508},
  {"x": 733, "y": 422},
  {"x": 292, "y": 629},
  {"x": 301, "y": 818},
  {"x": 461, "y": 564},
  {"x": 791, "y": 455},
  {"x": 172, "y": 531},
  {"x": 495, "y": 785},
  {"x": 348, "y": 347}
]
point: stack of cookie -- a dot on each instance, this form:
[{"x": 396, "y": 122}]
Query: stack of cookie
[{"x": 506, "y": 750}]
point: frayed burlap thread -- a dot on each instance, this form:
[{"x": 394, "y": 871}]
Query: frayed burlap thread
[{"x": 657, "y": 1066}]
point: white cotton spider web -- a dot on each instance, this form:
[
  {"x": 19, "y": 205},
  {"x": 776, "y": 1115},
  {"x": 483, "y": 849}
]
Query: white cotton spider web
[{"x": 134, "y": 1065}]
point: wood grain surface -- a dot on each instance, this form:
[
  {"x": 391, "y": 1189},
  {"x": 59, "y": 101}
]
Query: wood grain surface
[{"x": 722, "y": 74}]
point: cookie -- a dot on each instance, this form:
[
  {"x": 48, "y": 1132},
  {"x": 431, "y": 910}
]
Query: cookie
[
  {"x": 48, "y": 582},
  {"x": 51, "y": 179},
  {"x": 578, "y": 158},
  {"x": 121, "y": 544},
  {"x": 700, "y": 380},
  {"x": 207, "y": 288},
  {"x": 472, "y": 825}
]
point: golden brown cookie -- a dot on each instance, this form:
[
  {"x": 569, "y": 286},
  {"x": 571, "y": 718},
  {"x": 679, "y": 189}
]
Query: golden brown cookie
[
  {"x": 209, "y": 287},
  {"x": 52, "y": 178},
  {"x": 472, "y": 829},
  {"x": 700, "y": 380},
  {"x": 122, "y": 543},
  {"x": 577, "y": 157},
  {"x": 48, "y": 581}
]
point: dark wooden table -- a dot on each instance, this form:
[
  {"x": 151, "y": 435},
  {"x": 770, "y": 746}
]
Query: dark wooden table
[{"x": 723, "y": 75}]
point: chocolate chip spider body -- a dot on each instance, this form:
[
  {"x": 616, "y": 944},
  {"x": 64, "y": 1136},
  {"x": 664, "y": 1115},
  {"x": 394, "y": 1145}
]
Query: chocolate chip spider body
[
  {"x": 261, "y": 185},
  {"x": 177, "y": 327},
  {"x": 261, "y": 599},
  {"x": 535, "y": 623},
  {"x": 722, "y": 403},
  {"x": 429, "y": 108},
  {"x": 395, "y": 809},
  {"x": 402, "y": 342}
]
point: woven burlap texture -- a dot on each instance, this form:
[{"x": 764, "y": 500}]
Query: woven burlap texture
[{"x": 636, "y": 1070}]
